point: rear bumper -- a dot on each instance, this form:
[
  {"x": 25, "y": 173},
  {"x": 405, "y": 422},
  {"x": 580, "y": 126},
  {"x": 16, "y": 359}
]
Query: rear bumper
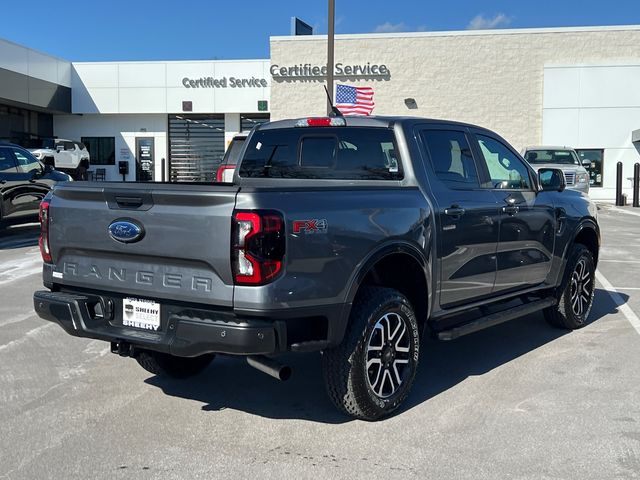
[{"x": 185, "y": 330}]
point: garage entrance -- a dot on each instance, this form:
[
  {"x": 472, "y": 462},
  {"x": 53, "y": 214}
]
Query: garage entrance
[{"x": 196, "y": 146}]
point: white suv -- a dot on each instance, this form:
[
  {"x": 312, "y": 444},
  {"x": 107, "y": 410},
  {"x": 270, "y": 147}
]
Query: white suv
[{"x": 68, "y": 156}]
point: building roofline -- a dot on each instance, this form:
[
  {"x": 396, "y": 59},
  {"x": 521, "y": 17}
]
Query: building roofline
[
  {"x": 112, "y": 62},
  {"x": 461, "y": 33},
  {"x": 39, "y": 52}
]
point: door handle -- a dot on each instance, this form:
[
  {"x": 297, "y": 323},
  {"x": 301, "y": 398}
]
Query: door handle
[
  {"x": 511, "y": 209},
  {"x": 2, "y": 182},
  {"x": 454, "y": 211}
]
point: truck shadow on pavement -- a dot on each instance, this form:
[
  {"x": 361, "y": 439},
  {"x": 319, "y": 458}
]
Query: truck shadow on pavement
[
  {"x": 232, "y": 384},
  {"x": 19, "y": 236}
]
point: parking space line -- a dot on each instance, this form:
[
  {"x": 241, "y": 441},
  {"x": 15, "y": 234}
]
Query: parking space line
[
  {"x": 622, "y": 210},
  {"x": 619, "y": 301},
  {"x": 27, "y": 335},
  {"x": 610, "y": 260}
]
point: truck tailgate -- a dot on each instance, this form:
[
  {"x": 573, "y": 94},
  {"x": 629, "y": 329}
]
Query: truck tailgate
[{"x": 183, "y": 253}]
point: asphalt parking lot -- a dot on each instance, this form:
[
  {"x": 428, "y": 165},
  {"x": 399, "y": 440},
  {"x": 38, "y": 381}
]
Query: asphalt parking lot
[{"x": 520, "y": 400}]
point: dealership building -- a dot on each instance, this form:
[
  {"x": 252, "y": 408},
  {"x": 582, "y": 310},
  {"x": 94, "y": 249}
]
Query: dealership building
[{"x": 560, "y": 86}]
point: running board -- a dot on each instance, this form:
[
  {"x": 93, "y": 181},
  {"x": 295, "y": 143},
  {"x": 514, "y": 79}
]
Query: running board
[{"x": 497, "y": 318}]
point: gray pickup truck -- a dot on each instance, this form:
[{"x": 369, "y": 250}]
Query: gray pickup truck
[{"x": 353, "y": 237}]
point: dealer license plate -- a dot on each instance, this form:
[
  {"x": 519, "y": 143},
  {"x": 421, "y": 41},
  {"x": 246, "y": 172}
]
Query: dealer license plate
[{"x": 140, "y": 313}]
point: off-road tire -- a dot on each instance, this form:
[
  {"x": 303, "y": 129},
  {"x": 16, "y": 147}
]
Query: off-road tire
[
  {"x": 347, "y": 380},
  {"x": 567, "y": 314},
  {"x": 166, "y": 365}
]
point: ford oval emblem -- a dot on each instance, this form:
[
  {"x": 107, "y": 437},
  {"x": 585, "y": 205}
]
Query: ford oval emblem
[{"x": 126, "y": 231}]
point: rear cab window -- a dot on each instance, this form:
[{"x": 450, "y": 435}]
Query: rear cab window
[{"x": 337, "y": 153}]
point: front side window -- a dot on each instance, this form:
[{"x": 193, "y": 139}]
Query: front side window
[
  {"x": 451, "y": 158},
  {"x": 322, "y": 153},
  {"x": 102, "y": 150},
  {"x": 506, "y": 170}
]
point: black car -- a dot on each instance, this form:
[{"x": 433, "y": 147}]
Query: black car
[{"x": 24, "y": 182}]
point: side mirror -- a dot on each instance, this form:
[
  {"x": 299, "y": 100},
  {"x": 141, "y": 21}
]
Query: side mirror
[
  {"x": 551, "y": 179},
  {"x": 586, "y": 163}
]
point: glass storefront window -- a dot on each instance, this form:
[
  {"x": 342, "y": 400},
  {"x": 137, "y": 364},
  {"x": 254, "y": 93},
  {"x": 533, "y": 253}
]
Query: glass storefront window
[
  {"x": 596, "y": 157},
  {"x": 102, "y": 150},
  {"x": 24, "y": 127}
]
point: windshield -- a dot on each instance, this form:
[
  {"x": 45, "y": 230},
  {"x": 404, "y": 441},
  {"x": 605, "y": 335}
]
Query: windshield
[{"x": 558, "y": 157}]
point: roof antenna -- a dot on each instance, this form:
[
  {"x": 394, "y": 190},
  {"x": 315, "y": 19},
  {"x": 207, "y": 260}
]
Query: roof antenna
[{"x": 334, "y": 111}]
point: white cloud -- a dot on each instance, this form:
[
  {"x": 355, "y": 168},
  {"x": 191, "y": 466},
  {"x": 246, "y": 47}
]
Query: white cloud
[
  {"x": 388, "y": 27},
  {"x": 480, "y": 22}
]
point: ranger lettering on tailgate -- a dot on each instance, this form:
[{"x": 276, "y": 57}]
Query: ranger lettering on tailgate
[{"x": 141, "y": 277}]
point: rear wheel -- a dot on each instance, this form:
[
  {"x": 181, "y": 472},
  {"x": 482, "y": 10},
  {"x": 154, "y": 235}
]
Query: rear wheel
[
  {"x": 577, "y": 291},
  {"x": 371, "y": 372},
  {"x": 167, "y": 365}
]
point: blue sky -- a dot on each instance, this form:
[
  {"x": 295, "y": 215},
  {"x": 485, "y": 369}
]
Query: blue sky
[{"x": 209, "y": 29}]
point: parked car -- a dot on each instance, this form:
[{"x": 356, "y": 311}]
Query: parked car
[
  {"x": 67, "y": 156},
  {"x": 564, "y": 158},
  {"x": 24, "y": 182},
  {"x": 354, "y": 237},
  {"x": 231, "y": 158}
]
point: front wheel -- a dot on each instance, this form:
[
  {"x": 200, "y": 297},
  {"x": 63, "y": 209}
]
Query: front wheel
[
  {"x": 371, "y": 372},
  {"x": 577, "y": 291},
  {"x": 163, "y": 364}
]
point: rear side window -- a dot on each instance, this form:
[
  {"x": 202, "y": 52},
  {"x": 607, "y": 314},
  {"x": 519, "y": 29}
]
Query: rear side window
[
  {"x": 341, "y": 153},
  {"x": 451, "y": 158}
]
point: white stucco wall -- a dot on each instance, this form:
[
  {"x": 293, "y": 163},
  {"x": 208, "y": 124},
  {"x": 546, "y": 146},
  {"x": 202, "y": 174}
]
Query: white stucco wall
[
  {"x": 159, "y": 87},
  {"x": 125, "y": 129}
]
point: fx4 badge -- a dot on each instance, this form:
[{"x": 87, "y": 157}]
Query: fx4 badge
[{"x": 310, "y": 226}]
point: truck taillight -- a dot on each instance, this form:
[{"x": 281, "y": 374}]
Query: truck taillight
[
  {"x": 45, "y": 248},
  {"x": 258, "y": 246},
  {"x": 225, "y": 173}
]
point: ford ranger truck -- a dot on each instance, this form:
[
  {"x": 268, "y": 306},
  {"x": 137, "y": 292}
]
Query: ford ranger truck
[{"x": 353, "y": 237}]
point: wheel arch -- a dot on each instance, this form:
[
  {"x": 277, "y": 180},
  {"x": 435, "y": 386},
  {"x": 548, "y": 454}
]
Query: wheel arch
[
  {"x": 400, "y": 266},
  {"x": 588, "y": 234}
]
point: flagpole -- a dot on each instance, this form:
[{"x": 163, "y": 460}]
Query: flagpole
[{"x": 330, "y": 35}]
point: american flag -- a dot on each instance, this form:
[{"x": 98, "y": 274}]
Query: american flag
[{"x": 354, "y": 100}]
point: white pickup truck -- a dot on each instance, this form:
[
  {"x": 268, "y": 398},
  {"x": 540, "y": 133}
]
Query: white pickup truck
[{"x": 68, "y": 156}]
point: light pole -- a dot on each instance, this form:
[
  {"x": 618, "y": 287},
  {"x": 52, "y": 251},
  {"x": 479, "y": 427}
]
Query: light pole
[{"x": 330, "y": 35}]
